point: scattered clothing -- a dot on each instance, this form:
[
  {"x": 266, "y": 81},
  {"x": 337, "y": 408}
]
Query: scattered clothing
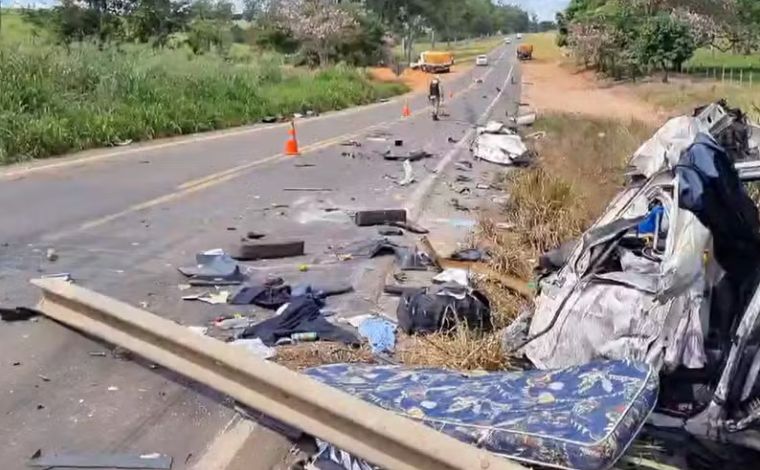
[
  {"x": 711, "y": 189},
  {"x": 381, "y": 334},
  {"x": 408, "y": 258},
  {"x": 302, "y": 316},
  {"x": 320, "y": 292},
  {"x": 271, "y": 295}
]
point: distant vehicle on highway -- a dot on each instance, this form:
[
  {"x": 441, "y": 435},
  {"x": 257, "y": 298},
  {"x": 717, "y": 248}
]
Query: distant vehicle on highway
[
  {"x": 525, "y": 51},
  {"x": 507, "y": 40},
  {"x": 435, "y": 62},
  {"x": 519, "y": 35},
  {"x": 481, "y": 60}
]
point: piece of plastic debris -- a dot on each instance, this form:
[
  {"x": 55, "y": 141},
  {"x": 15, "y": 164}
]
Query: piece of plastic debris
[
  {"x": 51, "y": 255},
  {"x": 256, "y": 347},
  {"x": 455, "y": 275},
  {"x": 44, "y": 378},
  {"x": 303, "y": 268},
  {"x": 97, "y": 354},
  {"x": 198, "y": 330},
  {"x": 358, "y": 320},
  {"x": 234, "y": 323},
  {"x": 113, "y": 388},
  {"x": 184, "y": 287},
  {"x": 211, "y": 298},
  {"x": 408, "y": 174}
]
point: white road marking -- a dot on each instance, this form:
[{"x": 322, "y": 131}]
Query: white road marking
[
  {"x": 222, "y": 450},
  {"x": 416, "y": 202}
]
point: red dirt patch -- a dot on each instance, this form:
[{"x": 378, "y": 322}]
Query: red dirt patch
[
  {"x": 549, "y": 86},
  {"x": 416, "y": 80}
]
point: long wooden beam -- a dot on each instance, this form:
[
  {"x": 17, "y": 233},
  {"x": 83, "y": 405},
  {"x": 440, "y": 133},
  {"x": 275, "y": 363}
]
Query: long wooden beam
[{"x": 379, "y": 436}]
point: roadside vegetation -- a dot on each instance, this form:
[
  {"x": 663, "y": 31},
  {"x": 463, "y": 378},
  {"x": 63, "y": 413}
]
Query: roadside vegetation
[
  {"x": 632, "y": 38},
  {"x": 86, "y": 97},
  {"x": 91, "y": 74}
]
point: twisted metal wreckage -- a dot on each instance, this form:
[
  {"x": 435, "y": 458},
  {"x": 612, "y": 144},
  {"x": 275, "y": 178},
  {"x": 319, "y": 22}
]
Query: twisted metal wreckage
[{"x": 656, "y": 307}]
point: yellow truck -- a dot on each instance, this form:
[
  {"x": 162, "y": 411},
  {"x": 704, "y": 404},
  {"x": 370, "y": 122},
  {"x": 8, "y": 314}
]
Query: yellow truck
[
  {"x": 525, "y": 52},
  {"x": 435, "y": 62}
]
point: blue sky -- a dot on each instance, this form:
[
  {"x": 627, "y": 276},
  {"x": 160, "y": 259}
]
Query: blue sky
[{"x": 545, "y": 9}]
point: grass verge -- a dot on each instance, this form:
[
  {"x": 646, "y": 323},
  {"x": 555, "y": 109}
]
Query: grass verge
[
  {"x": 706, "y": 58},
  {"x": 544, "y": 46},
  {"x": 683, "y": 96},
  {"x": 56, "y": 101}
]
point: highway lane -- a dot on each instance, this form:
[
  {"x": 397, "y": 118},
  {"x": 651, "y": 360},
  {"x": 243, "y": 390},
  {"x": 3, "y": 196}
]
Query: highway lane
[{"x": 122, "y": 220}]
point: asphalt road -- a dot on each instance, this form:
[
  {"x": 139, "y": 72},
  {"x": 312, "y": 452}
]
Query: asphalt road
[{"x": 122, "y": 220}]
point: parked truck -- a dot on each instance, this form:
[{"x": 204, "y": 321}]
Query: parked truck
[
  {"x": 525, "y": 51},
  {"x": 435, "y": 62}
]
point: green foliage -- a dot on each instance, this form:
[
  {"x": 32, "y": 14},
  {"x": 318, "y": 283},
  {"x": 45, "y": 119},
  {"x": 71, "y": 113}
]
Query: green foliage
[
  {"x": 204, "y": 35},
  {"x": 56, "y": 101},
  {"x": 627, "y": 38},
  {"x": 274, "y": 37},
  {"x": 665, "y": 43}
]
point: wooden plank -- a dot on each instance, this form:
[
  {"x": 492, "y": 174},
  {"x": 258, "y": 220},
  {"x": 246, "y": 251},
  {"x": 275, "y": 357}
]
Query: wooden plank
[
  {"x": 510, "y": 282},
  {"x": 381, "y": 437}
]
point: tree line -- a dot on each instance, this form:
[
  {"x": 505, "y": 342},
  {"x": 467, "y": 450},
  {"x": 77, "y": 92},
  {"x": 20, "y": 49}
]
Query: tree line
[
  {"x": 321, "y": 31},
  {"x": 629, "y": 38}
]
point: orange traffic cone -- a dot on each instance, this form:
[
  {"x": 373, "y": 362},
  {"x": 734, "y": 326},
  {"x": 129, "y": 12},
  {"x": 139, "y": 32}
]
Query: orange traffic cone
[
  {"x": 406, "y": 112},
  {"x": 291, "y": 145}
]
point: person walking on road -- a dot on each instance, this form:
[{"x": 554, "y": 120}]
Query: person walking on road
[{"x": 436, "y": 96}]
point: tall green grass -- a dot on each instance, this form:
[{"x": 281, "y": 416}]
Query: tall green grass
[
  {"x": 713, "y": 59},
  {"x": 55, "y": 101}
]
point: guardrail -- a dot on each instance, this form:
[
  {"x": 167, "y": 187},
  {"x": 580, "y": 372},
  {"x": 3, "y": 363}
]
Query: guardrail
[{"x": 379, "y": 436}]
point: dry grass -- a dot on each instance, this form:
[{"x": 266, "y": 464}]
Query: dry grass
[
  {"x": 684, "y": 94},
  {"x": 305, "y": 355},
  {"x": 461, "y": 349}
]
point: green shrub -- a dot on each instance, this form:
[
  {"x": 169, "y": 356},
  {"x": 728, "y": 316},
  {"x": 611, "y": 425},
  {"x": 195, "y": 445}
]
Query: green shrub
[{"x": 55, "y": 101}]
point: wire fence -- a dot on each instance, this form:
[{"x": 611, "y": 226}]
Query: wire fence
[{"x": 726, "y": 75}]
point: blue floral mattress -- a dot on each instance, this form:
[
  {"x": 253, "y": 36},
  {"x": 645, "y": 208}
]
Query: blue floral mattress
[{"x": 582, "y": 417}]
